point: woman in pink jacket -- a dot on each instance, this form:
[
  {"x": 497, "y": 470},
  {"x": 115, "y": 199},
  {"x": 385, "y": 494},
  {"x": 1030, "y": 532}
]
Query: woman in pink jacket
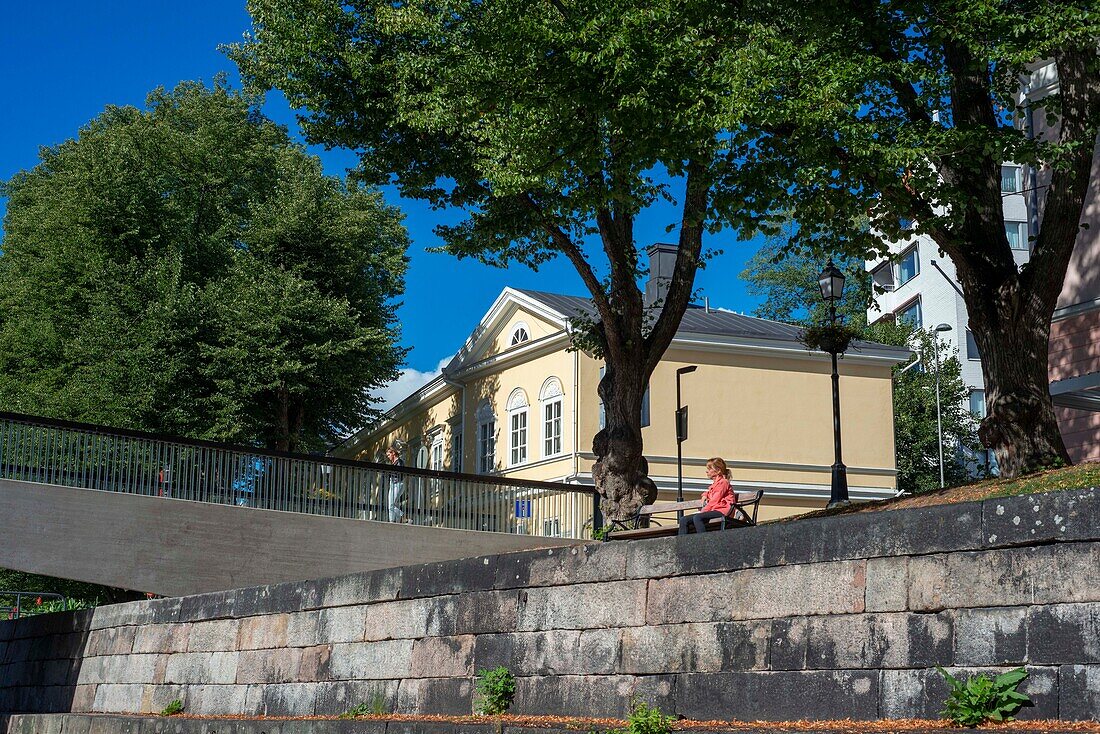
[{"x": 718, "y": 499}]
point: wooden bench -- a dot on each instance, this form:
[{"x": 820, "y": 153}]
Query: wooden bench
[{"x": 739, "y": 517}]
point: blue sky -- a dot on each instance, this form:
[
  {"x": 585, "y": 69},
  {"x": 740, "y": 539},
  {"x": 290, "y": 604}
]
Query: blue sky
[{"x": 63, "y": 62}]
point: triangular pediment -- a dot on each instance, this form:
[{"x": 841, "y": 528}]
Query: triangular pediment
[{"x": 511, "y": 312}]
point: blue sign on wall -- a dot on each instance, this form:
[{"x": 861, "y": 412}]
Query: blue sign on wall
[{"x": 523, "y": 509}]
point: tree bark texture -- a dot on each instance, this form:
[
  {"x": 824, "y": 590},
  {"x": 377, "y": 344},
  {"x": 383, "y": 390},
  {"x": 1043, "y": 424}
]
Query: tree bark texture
[
  {"x": 631, "y": 354},
  {"x": 1020, "y": 424}
]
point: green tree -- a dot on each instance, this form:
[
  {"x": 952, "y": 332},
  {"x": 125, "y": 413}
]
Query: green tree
[
  {"x": 788, "y": 284},
  {"x": 549, "y": 123},
  {"x": 916, "y": 433},
  {"x": 904, "y": 112},
  {"x": 187, "y": 268}
]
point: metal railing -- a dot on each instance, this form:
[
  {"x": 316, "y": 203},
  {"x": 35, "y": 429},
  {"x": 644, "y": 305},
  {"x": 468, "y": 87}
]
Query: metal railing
[
  {"x": 12, "y": 607},
  {"x": 132, "y": 462}
]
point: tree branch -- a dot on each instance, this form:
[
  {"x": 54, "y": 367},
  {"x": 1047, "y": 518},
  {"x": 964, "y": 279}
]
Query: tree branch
[
  {"x": 687, "y": 262},
  {"x": 565, "y": 244},
  {"x": 1080, "y": 95}
]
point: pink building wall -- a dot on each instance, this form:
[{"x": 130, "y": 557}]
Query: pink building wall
[
  {"x": 1075, "y": 330},
  {"x": 1075, "y": 351}
]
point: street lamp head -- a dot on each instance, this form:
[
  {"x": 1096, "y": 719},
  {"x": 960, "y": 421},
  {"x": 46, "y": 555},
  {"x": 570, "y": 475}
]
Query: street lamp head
[
  {"x": 686, "y": 370},
  {"x": 831, "y": 281},
  {"x": 944, "y": 327}
]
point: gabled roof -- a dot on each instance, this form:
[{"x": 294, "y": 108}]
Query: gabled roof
[
  {"x": 702, "y": 321},
  {"x": 701, "y": 327}
]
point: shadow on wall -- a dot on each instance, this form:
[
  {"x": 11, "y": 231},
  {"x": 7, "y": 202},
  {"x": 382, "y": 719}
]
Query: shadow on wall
[{"x": 50, "y": 673}]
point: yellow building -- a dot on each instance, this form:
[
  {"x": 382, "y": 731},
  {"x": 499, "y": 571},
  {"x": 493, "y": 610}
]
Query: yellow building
[{"x": 516, "y": 402}]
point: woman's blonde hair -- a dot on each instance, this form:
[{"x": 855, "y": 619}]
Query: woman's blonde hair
[{"x": 720, "y": 464}]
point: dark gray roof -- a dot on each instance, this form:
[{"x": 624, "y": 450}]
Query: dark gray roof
[{"x": 699, "y": 320}]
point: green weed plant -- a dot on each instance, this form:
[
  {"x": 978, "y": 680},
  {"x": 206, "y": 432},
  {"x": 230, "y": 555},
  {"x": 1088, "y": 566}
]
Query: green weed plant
[
  {"x": 496, "y": 690},
  {"x": 174, "y": 707},
  {"x": 376, "y": 707},
  {"x": 644, "y": 719},
  {"x": 980, "y": 698}
]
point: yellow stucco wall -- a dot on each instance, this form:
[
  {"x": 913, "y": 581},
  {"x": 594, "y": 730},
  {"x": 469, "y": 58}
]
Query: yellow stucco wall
[{"x": 768, "y": 415}]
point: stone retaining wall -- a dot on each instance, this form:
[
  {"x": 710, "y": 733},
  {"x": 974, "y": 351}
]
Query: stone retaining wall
[
  {"x": 116, "y": 724},
  {"x": 819, "y": 618}
]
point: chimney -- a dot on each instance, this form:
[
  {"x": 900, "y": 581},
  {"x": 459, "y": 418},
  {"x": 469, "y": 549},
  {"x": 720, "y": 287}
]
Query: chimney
[{"x": 662, "y": 263}]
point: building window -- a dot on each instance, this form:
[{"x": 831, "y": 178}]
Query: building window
[
  {"x": 883, "y": 277},
  {"x": 551, "y": 528},
  {"x": 977, "y": 403},
  {"x": 456, "y": 448},
  {"x": 436, "y": 462},
  {"x": 1010, "y": 179},
  {"x": 520, "y": 333},
  {"x": 486, "y": 438},
  {"x": 645, "y": 406},
  {"x": 551, "y": 398},
  {"x": 972, "y": 346},
  {"x": 1016, "y": 232},
  {"x": 908, "y": 267},
  {"x": 517, "y": 427},
  {"x": 911, "y": 315}
]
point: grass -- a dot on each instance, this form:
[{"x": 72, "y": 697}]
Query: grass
[{"x": 1080, "y": 476}]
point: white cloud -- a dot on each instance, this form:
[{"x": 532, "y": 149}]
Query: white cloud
[{"x": 407, "y": 382}]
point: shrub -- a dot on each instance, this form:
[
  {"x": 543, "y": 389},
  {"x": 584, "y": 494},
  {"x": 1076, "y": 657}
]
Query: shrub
[
  {"x": 981, "y": 698},
  {"x": 496, "y": 688},
  {"x": 173, "y": 708}
]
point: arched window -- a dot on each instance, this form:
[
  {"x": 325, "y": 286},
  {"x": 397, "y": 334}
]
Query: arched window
[
  {"x": 486, "y": 438},
  {"x": 517, "y": 427},
  {"x": 520, "y": 333},
  {"x": 551, "y": 397}
]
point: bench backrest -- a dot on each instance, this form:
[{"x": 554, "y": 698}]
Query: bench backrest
[{"x": 744, "y": 501}]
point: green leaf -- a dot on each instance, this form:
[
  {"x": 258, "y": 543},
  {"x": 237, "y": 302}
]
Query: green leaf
[{"x": 1011, "y": 678}]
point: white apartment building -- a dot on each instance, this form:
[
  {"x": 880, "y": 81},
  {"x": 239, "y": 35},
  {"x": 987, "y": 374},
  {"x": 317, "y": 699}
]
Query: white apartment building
[{"x": 921, "y": 288}]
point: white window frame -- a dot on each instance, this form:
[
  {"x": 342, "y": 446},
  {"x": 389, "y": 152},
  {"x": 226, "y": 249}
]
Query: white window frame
[
  {"x": 435, "y": 456},
  {"x": 920, "y": 309},
  {"x": 456, "y": 448},
  {"x": 977, "y": 415},
  {"x": 915, "y": 252},
  {"x": 518, "y": 328},
  {"x": 552, "y": 401},
  {"x": 518, "y": 427},
  {"x": 1017, "y": 184},
  {"x": 486, "y": 439},
  {"x": 1021, "y": 235}
]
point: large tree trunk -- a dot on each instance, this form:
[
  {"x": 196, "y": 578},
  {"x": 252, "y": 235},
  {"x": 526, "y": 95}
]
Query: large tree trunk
[
  {"x": 1010, "y": 307},
  {"x": 631, "y": 355},
  {"x": 618, "y": 471},
  {"x": 1020, "y": 425}
]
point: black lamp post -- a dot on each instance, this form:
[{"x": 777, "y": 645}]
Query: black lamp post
[
  {"x": 831, "y": 281},
  {"x": 681, "y": 436}
]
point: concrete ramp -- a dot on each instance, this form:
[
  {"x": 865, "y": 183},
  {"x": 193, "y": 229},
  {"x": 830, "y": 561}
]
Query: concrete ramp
[{"x": 175, "y": 547}]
